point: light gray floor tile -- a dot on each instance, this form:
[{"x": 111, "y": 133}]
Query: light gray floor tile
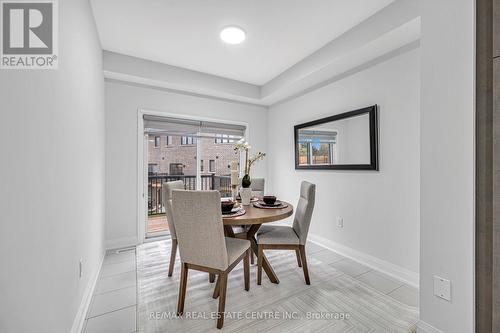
[
  {"x": 313, "y": 248},
  {"x": 350, "y": 267},
  {"x": 113, "y": 257},
  {"x": 115, "y": 282},
  {"x": 118, "y": 268},
  {"x": 330, "y": 290},
  {"x": 406, "y": 294},
  {"x": 112, "y": 301},
  {"x": 325, "y": 256},
  {"x": 379, "y": 281},
  {"x": 121, "y": 321}
]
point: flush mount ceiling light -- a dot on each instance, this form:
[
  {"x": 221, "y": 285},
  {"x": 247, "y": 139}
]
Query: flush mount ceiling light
[{"x": 232, "y": 35}]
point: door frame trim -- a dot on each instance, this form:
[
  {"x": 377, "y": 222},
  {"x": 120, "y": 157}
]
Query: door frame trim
[{"x": 485, "y": 179}]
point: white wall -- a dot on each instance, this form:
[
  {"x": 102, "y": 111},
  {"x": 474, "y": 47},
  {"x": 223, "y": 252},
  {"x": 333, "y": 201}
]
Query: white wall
[
  {"x": 52, "y": 185},
  {"x": 380, "y": 209},
  {"x": 122, "y": 104},
  {"x": 447, "y": 162}
]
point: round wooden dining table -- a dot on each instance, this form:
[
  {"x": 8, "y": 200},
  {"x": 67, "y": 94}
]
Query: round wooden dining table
[{"x": 253, "y": 218}]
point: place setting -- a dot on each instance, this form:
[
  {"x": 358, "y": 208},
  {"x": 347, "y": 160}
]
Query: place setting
[
  {"x": 253, "y": 199},
  {"x": 230, "y": 208},
  {"x": 269, "y": 202}
]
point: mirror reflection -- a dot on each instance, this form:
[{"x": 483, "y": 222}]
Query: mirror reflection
[{"x": 346, "y": 141}]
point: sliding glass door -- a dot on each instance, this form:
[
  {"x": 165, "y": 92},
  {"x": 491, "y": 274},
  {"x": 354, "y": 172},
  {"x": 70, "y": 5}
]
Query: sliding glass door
[
  {"x": 197, "y": 152},
  {"x": 170, "y": 157}
]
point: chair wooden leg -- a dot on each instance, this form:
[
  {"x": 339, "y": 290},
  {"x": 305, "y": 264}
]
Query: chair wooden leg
[
  {"x": 260, "y": 255},
  {"x": 251, "y": 252},
  {"x": 302, "y": 250},
  {"x": 246, "y": 270},
  {"x": 216, "y": 289},
  {"x": 182, "y": 289},
  {"x": 211, "y": 277},
  {"x": 173, "y": 252},
  {"x": 297, "y": 254},
  {"x": 222, "y": 299}
]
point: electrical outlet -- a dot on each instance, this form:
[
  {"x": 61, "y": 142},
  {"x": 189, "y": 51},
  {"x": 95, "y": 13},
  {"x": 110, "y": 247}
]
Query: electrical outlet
[
  {"x": 340, "y": 222},
  {"x": 442, "y": 288},
  {"x": 80, "y": 268}
]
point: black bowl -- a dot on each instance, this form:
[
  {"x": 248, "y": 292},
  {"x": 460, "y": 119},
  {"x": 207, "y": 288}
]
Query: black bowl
[
  {"x": 227, "y": 206},
  {"x": 269, "y": 199}
]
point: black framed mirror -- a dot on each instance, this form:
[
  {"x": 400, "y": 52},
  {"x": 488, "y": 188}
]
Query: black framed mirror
[{"x": 346, "y": 141}]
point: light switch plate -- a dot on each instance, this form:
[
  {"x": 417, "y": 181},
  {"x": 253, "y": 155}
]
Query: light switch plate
[{"x": 442, "y": 288}]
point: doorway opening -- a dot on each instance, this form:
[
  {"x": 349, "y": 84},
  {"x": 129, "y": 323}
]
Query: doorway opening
[{"x": 197, "y": 152}]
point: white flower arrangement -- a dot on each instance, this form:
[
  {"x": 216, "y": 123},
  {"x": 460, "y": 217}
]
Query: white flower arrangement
[{"x": 243, "y": 145}]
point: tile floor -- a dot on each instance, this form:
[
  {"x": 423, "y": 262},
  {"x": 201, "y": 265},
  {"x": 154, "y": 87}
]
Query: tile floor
[{"x": 113, "y": 306}]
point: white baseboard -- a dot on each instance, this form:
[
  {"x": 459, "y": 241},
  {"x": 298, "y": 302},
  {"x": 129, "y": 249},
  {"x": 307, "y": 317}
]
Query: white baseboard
[
  {"x": 400, "y": 273},
  {"x": 119, "y": 243},
  {"x": 86, "y": 299},
  {"x": 423, "y": 327}
]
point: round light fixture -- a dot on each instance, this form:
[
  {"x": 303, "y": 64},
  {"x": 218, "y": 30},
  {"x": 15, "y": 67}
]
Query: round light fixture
[{"x": 232, "y": 35}]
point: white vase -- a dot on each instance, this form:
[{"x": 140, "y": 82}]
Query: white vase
[{"x": 246, "y": 195}]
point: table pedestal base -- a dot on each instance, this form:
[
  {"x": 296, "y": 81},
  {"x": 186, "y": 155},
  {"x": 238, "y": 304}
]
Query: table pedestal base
[{"x": 250, "y": 235}]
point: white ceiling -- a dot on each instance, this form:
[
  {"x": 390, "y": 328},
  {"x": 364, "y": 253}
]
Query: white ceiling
[{"x": 185, "y": 33}]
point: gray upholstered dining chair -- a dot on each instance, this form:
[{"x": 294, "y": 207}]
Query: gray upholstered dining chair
[
  {"x": 258, "y": 189},
  {"x": 257, "y": 186},
  {"x": 289, "y": 238},
  {"x": 202, "y": 245},
  {"x": 168, "y": 187}
]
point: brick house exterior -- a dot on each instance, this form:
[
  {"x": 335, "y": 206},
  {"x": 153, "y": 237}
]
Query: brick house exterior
[{"x": 177, "y": 155}]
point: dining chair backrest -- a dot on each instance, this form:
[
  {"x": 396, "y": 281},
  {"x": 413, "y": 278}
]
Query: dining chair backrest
[
  {"x": 200, "y": 232},
  {"x": 167, "y": 189},
  {"x": 303, "y": 214},
  {"x": 257, "y": 186}
]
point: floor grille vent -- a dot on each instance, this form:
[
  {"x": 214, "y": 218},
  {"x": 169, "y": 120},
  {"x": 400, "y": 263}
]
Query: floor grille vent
[{"x": 126, "y": 249}]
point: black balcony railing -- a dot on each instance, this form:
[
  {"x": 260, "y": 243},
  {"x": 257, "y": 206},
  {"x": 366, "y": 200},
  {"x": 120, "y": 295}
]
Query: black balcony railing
[{"x": 208, "y": 182}]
